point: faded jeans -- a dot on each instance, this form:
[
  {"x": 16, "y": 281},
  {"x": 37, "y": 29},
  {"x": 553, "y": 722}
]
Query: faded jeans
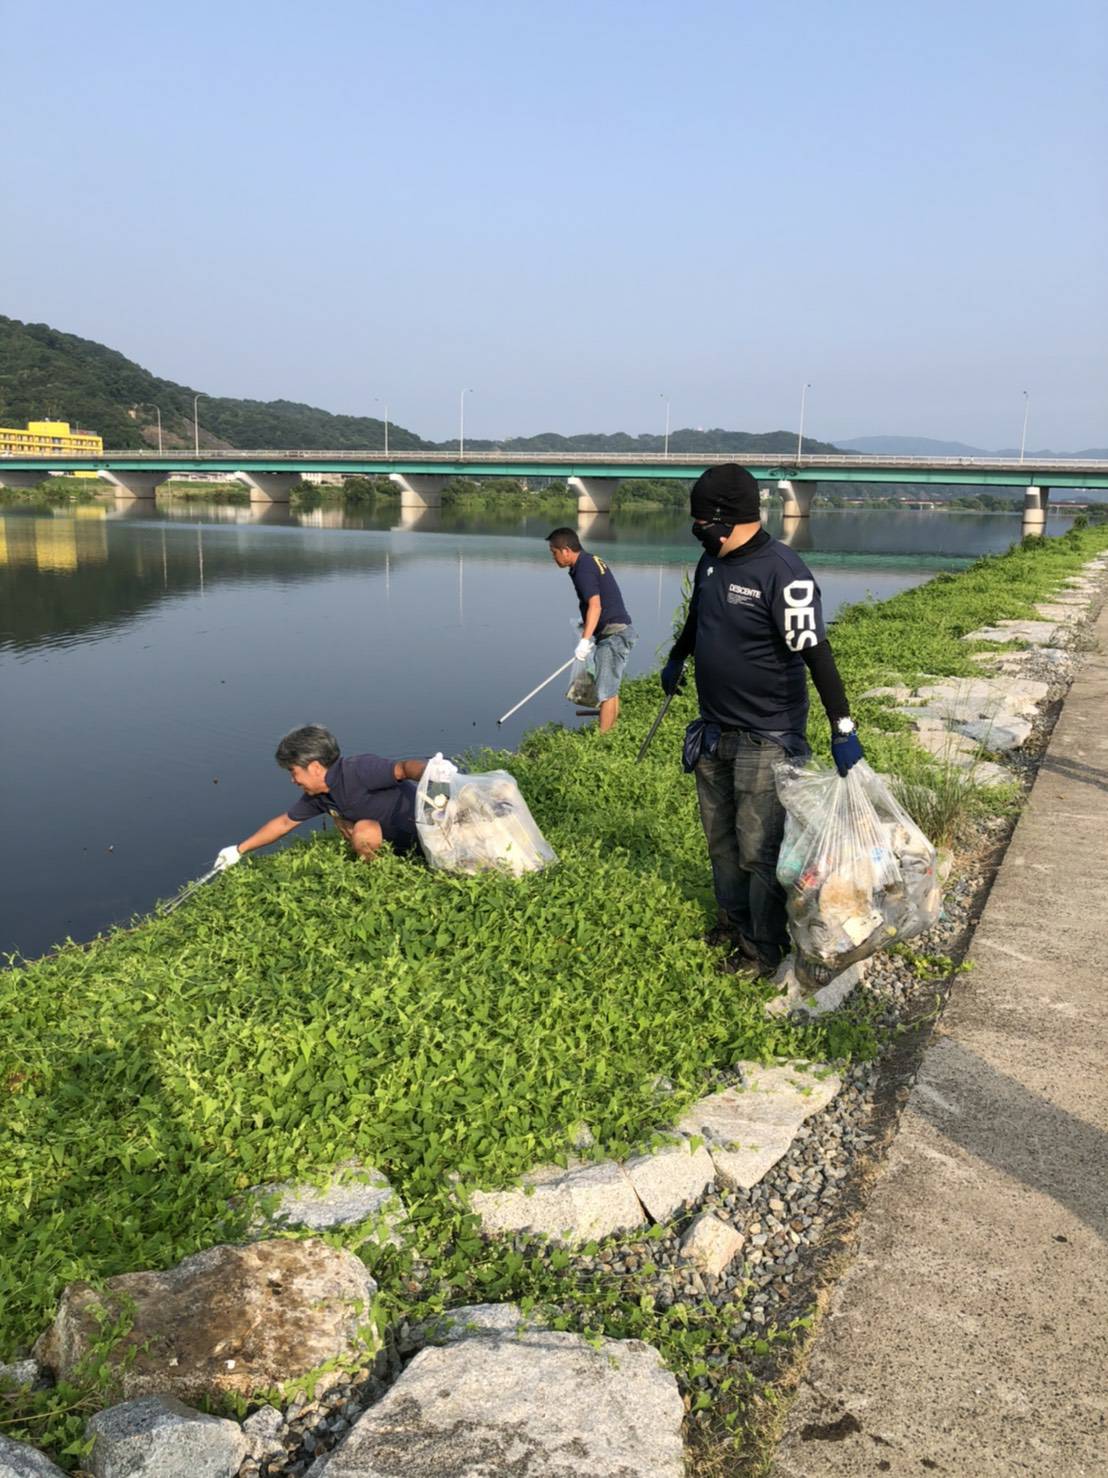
[{"x": 744, "y": 823}]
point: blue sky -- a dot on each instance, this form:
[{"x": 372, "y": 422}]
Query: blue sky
[{"x": 577, "y": 209}]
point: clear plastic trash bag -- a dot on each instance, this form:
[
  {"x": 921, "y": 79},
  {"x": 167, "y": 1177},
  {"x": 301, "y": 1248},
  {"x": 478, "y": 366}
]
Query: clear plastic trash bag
[
  {"x": 582, "y": 684},
  {"x": 477, "y": 823},
  {"x": 859, "y": 873}
]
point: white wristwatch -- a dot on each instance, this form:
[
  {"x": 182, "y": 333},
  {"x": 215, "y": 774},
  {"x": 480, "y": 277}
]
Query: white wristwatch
[{"x": 844, "y": 726}]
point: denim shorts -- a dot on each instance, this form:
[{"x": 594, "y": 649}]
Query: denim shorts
[{"x": 610, "y": 659}]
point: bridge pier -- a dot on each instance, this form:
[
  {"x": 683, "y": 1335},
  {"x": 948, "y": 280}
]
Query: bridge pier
[
  {"x": 594, "y": 494},
  {"x": 419, "y": 489},
  {"x": 134, "y": 484},
  {"x": 796, "y": 497},
  {"x": 21, "y": 479},
  {"x": 268, "y": 487},
  {"x": 1035, "y": 503}
]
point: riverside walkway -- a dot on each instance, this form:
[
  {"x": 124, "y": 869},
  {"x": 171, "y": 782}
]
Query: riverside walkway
[{"x": 970, "y": 1333}]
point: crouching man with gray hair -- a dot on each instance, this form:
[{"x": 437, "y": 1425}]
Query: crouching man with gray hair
[{"x": 370, "y": 799}]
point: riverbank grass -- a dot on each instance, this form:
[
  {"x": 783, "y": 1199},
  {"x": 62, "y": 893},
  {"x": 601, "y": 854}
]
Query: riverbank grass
[{"x": 302, "y": 1010}]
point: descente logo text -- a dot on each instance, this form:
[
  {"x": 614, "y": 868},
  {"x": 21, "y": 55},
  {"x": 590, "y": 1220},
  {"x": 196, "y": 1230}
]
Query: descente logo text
[{"x": 800, "y": 616}]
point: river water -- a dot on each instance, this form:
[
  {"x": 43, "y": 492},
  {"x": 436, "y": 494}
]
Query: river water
[{"x": 149, "y": 662}]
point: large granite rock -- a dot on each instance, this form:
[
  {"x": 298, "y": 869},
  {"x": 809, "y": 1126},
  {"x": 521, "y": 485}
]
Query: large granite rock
[
  {"x": 749, "y": 1128},
  {"x": 17, "y": 1460},
  {"x": 536, "y": 1403},
  {"x": 573, "y": 1205},
  {"x": 355, "y": 1193},
  {"x": 665, "y": 1180},
  {"x": 157, "y": 1437},
  {"x": 230, "y": 1319}
]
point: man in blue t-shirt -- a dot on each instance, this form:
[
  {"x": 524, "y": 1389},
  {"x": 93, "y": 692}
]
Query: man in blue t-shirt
[
  {"x": 607, "y": 635},
  {"x": 370, "y": 799},
  {"x": 755, "y": 629}
]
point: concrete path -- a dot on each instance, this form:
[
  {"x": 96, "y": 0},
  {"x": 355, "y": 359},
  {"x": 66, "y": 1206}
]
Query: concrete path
[{"x": 970, "y": 1334}]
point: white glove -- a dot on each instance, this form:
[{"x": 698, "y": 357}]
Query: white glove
[
  {"x": 227, "y": 858},
  {"x": 583, "y": 650},
  {"x": 440, "y": 771}
]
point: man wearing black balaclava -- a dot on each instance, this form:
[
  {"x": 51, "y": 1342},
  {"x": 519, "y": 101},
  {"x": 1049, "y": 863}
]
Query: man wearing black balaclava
[{"x": 756, "y": 627}]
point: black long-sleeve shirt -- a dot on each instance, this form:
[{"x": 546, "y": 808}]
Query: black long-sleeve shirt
[{"x": 756, "y": 625}]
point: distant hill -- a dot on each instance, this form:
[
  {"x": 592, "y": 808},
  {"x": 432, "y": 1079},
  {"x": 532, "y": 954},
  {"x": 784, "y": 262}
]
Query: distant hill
[
  {"x": 44, "y": 373},
  {"x": 912, "y": 446},
  {"x": 926, "y": 446},
  {"x": 687, "y": 441},
  {"x": 47, "y": 373}
]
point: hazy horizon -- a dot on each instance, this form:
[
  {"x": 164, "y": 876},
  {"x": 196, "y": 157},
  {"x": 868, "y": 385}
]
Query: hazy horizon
[{"x": 581, "y": 213}]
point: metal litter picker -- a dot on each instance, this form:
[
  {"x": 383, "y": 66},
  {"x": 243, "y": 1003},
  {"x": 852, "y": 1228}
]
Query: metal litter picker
[{"x": 531, "y": 694}]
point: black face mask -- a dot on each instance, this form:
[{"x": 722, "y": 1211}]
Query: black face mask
[{"x": 712, "y": 535}]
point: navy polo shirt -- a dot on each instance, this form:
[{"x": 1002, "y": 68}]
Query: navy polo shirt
[
  {"x": 364, "y": 788},
  {"x": 591, "y": 576},
  {"x": 756, "y": 611}
]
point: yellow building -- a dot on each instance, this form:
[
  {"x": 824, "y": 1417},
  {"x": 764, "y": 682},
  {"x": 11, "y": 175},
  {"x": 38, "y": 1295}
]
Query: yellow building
[{"x": 41, "y": 438}]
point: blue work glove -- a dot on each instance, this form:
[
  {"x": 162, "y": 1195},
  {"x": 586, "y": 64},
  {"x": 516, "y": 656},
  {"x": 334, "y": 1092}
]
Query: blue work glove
[
  {"x": 846, "y": 751},
  {"x": 672, "y": 677}
]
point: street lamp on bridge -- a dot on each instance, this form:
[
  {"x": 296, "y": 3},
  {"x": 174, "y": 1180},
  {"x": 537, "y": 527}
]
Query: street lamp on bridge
[
  {"x": 150, "y": 406},
  {"x": 195, "y": 426},
  {"x": 1026, "y": 413},
  {"x": 663, "y": 396},
  {"x": 800, "y": 433},
  {"x": 378, "y": 401},
  {"x": 462, "y": 423}
]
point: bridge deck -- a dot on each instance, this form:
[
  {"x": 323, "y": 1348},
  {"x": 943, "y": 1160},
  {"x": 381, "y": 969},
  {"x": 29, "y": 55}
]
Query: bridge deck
[{"x": 1055, "y": 472}]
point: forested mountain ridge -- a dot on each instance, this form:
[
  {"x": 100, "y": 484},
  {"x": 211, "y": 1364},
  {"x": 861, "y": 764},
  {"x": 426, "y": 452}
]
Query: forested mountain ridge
[{"x": 47, "y": 373}]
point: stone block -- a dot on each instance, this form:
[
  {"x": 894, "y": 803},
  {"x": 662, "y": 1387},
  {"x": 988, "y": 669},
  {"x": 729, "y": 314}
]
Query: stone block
[
  {"x": 17, "y": 1460},
  {"x": 230, "y": 1319},
  {"x": 26, "y": 1373},
  {"x": 797, "y": 997},
  {"x": 1035, "y": 633},
  {"x": 665, "y": 1180},
  {"x": 355, "y": 1193},
  {"x": 710, "y": 1244},
  {"x": 897, "y": 694},
  {"x": 544, "y": 1403},
  {"x": 572, "y": 1205},
  {"x": 262, "y": 1430},
  {"x": 1004, "y": 732},
  {"x": 478, "y": 1321},
  {"x": 157, "y": 1437},
  {"x": 749, "y": 1128}
]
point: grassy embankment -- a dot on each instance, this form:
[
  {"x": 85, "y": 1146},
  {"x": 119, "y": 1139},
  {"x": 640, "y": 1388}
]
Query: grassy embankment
[{"x": 302, "y": 1010}]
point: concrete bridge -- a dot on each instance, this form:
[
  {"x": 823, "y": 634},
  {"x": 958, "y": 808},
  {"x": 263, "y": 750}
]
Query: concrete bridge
[{"x": 594, "y": 476}]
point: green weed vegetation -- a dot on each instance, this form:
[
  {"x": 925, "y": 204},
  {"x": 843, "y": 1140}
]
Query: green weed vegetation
[{"x": 302, "y": 1010}]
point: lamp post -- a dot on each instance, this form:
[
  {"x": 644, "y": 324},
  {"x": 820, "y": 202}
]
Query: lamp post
[
  {"x": 1026, "y": 413},
  {"x": 462, "y": 423},
  {"x": 662, "y": 396},
  {"x": 378, "y": 401},
  {"x": 158, "y": 413},
  {"x": 195, "y": 427},
  {"x": 800, "y": 433}
]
